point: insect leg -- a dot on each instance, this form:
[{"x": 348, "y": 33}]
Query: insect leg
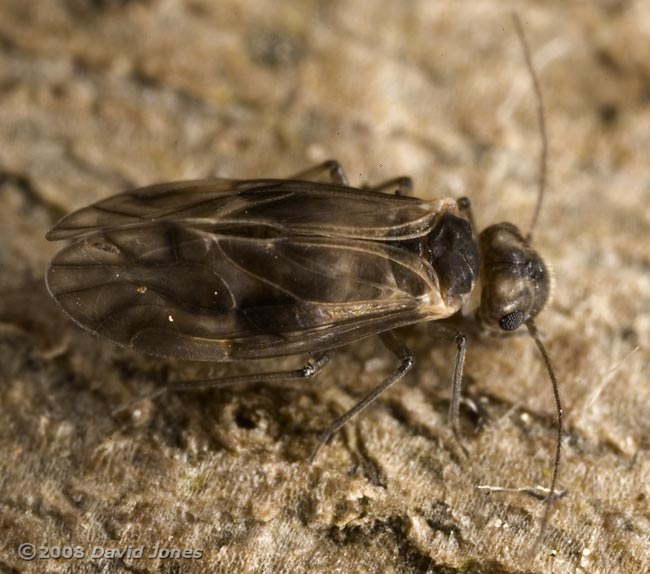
[
  {"x": 402, "y": 186},
  {"x": 310, "y": 370},
  {"x": 461, "y": 348},
  {"x": 465, "y": 207},
  {"x": 447, "y": 332},
  {"x": 331, "y": 167},
  {"x": 402, "y": 352}
]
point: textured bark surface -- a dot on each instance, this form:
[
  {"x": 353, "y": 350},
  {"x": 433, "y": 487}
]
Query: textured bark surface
[{"x": 99, "y": 96}]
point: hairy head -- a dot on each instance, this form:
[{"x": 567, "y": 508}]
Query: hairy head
[{"x": 515, "y": 281}]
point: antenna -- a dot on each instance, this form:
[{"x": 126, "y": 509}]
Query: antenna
[
  {"x": 532, "y": 327},
  {"x": 534, "y": 333},
  {"x": 541, "y": 118}
]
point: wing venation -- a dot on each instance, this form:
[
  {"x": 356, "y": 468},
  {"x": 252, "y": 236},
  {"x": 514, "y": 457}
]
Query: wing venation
[
  {"x": 301, "y": 207},
  {"x": 225, "y": 292}
]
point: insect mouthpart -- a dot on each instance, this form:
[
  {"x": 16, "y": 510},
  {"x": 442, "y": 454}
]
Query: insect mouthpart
[{"x": 515, "y": 281}]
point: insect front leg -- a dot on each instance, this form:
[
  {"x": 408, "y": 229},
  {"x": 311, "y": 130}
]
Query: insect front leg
[
  {"x": 447, "y": 333},
  {"x": 331, "y": 168},
  {"x": 461, "y": 348},
  {"x": 402, "y": 352},
  {"x": 401, "y": 186},
  {"x": 465, "y": 207},
  {"x": 308, "y": 371}
]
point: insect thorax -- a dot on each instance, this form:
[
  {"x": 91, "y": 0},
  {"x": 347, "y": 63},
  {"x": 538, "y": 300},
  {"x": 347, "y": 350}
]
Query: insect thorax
[{"x": 454, "y": 255}]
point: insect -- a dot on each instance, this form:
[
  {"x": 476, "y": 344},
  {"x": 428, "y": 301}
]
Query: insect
[{"x": 233, "y": 270}]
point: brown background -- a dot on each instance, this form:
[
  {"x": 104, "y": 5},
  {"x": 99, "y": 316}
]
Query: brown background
[{"x": 99, "y": 96}]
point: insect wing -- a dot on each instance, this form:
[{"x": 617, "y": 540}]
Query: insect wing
[
  {"x": 214, "y": 292},
  {"x": 308, "y": 208}
]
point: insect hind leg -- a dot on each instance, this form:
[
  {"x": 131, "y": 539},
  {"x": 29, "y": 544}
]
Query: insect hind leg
[
  {"x": 308, "y": 371},
  {"x": 335, "y": 173},
  {"x": 330, "y": 168},
  {"x": 402, "y": 352},
  {"x": 399, "y": 185}
]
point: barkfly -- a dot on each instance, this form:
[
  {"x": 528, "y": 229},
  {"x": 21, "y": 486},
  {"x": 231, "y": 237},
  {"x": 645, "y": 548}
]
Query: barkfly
[{"x": 233, "y": 270}]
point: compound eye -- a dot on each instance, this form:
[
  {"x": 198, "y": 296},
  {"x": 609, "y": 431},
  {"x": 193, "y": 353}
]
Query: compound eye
[{"x": 512, "y": 321}]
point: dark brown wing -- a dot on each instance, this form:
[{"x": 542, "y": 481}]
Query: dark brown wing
[
  {"x": 212, "y": 291},
  {"x": 307, "y": 208}
]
